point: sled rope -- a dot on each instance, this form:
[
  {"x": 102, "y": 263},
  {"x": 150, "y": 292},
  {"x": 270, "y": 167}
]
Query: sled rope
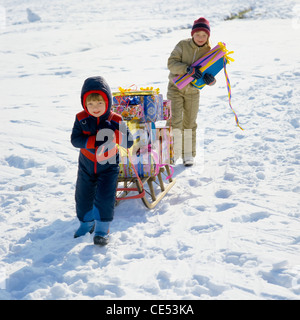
[{"x": 156, "y": 161}]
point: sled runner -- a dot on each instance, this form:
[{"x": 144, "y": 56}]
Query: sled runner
[{"x": 150, "y": 189}]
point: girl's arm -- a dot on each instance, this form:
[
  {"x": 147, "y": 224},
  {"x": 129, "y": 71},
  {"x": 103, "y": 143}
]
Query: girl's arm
[{"x": 175, "y": 64}]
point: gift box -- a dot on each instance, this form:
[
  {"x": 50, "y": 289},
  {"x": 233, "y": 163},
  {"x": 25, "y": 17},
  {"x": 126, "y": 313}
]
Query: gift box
[
  {"x": 167, "y": 113},
  {"x": 129, "y": 112},
  {"x": 164, "y": 145},
  {"x": 160, "y": 114},
  {"x": 207, "y": 60},
  {"x": 167, "y": 146},
  {"x": 127, "y": 100},
  {"x": 213, "y": 70},
  {"x": 152, "y": 147},
  {"x": 151, "y": 108},
  {"x": 151, "y": 101},
  {"x": 141, "y": 155}
]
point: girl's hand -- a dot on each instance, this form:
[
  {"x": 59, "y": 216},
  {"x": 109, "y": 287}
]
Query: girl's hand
[
  {"x": 209, "y": 79},
  {"x": 194, "y": 72}
]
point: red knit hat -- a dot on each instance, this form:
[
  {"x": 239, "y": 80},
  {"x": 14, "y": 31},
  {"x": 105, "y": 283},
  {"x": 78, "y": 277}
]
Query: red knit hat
[{"x": 201, "y": 25}]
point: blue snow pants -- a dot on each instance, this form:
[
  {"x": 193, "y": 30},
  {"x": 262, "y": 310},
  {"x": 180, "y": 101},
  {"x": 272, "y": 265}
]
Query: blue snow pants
[{"x": 95, "y": 192}]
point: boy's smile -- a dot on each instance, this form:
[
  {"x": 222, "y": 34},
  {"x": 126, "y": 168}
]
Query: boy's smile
[{"x": 96, "y": 108}]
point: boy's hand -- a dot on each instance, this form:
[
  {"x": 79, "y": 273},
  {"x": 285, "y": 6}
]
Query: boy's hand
[
  {"x": 209, "y": 79},
  {"x": 194, "y": 72},
  {"x": 108, "y": 125},
  {"x": 105, "y": 134}
]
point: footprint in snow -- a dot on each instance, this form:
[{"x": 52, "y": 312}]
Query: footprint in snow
[
  {"x": 253, "y": 217},
  {"x": 21, "y": 162},
  {"x": 31, "y": 16},
  {"x": 229, "y": 177},
  {"x": 225, "y": 206},
  {"x": 134, "y": 256},
  {"x": 260, "y": 176},
  {"x": 223, "y": 194},
  {"x": 295, "y": 123},
  {"x": 207, "y": 228},
  {"x": 240, "y": 259},
  {"x": 194, "y": 183}
]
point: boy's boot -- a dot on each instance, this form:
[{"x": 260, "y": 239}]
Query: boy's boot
[
  {"x": 101, "y": 232},
  {"x": 84, "y": 228}
]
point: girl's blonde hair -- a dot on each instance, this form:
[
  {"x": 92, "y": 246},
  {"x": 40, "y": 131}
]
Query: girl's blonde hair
[
  {"x": 208, "y": 42},
  {"x": 94, "y": 97}
]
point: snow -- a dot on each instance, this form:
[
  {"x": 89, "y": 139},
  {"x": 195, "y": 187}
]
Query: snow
[
  {"x": 228, "y": 229},
  {"x": 32, "y": 17}
]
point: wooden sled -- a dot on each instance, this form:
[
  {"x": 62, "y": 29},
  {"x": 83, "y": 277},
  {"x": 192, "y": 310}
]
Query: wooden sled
[{"x": 150, "y": 189}]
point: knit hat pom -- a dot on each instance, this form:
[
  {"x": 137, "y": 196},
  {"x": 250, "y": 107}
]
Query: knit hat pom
[{"x": 201, "y": 25}]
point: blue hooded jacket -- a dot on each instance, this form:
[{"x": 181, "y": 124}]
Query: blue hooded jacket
[{"x": 86, "y": 127}]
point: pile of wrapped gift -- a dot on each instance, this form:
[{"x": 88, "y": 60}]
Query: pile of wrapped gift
[{"x": 147, "y": 115}]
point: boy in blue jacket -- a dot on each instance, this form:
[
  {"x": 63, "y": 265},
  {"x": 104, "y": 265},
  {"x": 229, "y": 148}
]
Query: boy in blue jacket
[{"x": 97, "y": 131}]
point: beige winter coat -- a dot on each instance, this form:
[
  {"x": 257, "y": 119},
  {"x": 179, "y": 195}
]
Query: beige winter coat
[
  {"x": 185, "y": 101},
  {"x": 185, "y": 53}
]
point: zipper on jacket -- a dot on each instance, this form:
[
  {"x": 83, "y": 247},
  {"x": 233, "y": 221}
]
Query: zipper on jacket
[
  {"x": 96, "y": 149},
  {"x": 95, "y": 161}
]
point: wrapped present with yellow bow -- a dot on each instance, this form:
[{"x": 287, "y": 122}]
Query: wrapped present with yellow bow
[
  {"x": 142, "y": 153},
  {"x": 129, "y": 112},
  {"x": 151, "y": 100}
]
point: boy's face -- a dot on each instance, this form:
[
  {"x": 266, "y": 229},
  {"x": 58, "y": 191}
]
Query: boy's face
[
  {"x": 96, "y": 108},
  {"x": 200, "y": 38}
]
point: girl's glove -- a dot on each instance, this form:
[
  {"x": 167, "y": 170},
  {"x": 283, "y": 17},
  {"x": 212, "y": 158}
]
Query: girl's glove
[
  {"x": 194, "y": 72},
  {"x": 209, "y": 79}
]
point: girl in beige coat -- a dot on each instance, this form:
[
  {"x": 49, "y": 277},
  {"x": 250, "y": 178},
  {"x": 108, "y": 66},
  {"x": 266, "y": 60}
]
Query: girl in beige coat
[{"x": 185, "y": 102}]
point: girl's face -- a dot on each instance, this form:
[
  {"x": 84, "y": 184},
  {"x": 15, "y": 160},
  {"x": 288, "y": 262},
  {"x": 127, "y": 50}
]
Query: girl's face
[
  {"x": 96, "y": 108},
  {"x": 200, "y": 38}
]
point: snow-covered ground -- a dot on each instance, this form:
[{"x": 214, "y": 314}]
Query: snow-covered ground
[{"x": 228, "y": 229}]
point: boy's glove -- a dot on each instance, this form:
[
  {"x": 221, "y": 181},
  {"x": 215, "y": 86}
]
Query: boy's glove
[
  {"x": 108, "y": 125},
  {"x": 209, "y": 79},
  {"x": 107, "y": 135},
  {"x": 194, "y": 72}
]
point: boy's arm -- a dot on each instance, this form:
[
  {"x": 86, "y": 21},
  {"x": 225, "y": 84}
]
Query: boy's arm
[
  {"x": 127, "y": 137},
  {"x": 123, "y": 135},
  {"x": 175, "y": 64},
  {"x": 79, "y": 139}
]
